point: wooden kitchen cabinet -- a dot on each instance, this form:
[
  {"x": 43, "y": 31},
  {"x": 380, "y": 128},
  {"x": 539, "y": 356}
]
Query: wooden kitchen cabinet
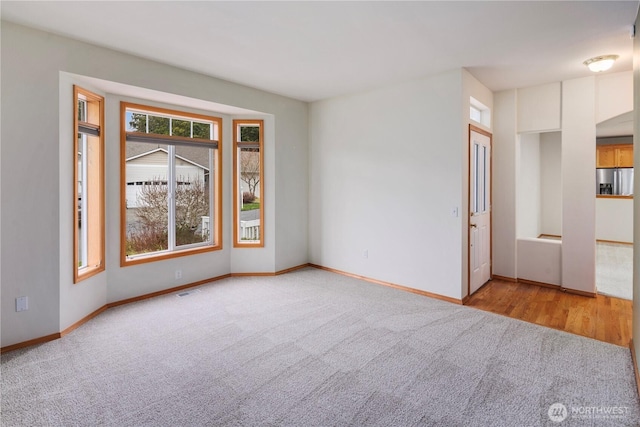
[
  {"x": 614, "y": 156},
  {"x": 606, "y": 156},
  {"x": 625, "y": 156}
]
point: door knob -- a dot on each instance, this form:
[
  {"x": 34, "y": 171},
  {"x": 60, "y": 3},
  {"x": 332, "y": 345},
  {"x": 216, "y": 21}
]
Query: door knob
[{"x": 472, "y": 225}]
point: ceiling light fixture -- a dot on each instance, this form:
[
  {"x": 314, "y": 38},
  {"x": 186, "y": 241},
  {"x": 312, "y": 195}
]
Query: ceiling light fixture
[{"x": 600, "y": 63}]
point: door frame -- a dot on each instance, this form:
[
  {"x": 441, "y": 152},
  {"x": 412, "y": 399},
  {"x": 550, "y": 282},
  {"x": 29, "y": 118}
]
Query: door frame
[{"x": 490, "y": 136}]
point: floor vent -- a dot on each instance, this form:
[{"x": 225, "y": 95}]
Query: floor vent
[{"x": 187, "y": 293}]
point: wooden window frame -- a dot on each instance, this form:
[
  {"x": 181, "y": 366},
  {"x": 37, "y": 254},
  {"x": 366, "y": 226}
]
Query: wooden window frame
[
  {"x": 216, "y": 227},
  {"x": 95, "y": 200},
  {"x": 237, "y": 242}
]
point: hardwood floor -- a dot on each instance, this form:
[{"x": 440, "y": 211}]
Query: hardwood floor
[{"x": 603, "y": 318}]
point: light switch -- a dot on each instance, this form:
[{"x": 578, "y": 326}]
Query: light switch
[{"x": 22, "y": 303}]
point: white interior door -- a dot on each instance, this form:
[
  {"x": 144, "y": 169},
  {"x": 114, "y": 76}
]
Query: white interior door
[{"x": 480, "y": 209}]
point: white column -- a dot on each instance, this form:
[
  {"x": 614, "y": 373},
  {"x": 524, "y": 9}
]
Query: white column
[
  {"x": 504, "y": 184},
  {"x": 578, "y": 176}
]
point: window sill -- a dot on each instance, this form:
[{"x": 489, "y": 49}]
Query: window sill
[
  {"x": 141, "y": 259},
  {"x": 87, "y": 272},
  {"x": 610, "y": 196}
]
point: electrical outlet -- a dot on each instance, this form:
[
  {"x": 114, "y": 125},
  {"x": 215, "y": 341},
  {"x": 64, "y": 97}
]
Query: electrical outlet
[
  {"x": 178, "y": 274},
  {"x": 22, "y": 303},
  {"x": 365, "y": 253}
]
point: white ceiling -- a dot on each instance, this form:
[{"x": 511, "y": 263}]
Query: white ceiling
[
  {"x": 317, "y": 50},
  {"x": 621, "y": 125}
]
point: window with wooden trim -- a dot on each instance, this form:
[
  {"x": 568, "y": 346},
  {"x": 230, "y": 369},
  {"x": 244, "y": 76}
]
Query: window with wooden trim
[
  {"x": 171, "y": 177},
  {"x": 248, "y": 183},
  {"x": 88, "y": 184}
]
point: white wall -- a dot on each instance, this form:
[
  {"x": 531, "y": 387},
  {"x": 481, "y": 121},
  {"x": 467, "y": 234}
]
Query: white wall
[
  {"x": 35, "y": 234},
  {"x": 539, "y": 108},
  {"x": 387, "y": 169},
  {"x": 551, "y": 183},
  {"x": 578, "y": 176},
  {"x": 385, "y": 174},
  {"x": 539, "y": 211},
  {"x": 528, "y": 185},
  {"x": 540, "y": 260},
  {"x": 614, "y": 95},
  {"x": 504, "y": 184},
  {"x": 29, "y": 234},
  {"x": 614, "y": 219}
]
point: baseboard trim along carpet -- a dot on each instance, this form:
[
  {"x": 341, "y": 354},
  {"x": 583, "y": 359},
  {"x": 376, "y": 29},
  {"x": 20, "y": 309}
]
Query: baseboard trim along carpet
[
  {"x": 391, "y": 285},
  {"x": 57, "y": 335},
  {"x": 83, "y": 320},
  {"x": 167, "y": 291},
  {"x": 615, "y": 241},
  {"x": 269, "y": 274},
  {"x": 35, "y": 341}
]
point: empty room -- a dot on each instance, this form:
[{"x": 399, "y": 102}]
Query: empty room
[{"x": 319, "y": 213}]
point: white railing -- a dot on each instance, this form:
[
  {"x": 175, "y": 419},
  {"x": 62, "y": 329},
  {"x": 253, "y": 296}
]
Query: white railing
[
  {"x": 249, "y": 230},
  {"x": 204, "y": 230}
]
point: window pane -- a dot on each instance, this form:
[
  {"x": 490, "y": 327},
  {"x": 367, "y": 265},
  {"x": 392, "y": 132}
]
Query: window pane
[
  {"x": 158, "y": 125},
  {"x": 136, "y": 122},
  {"x": 484, "y": 178},
  {"x": 475, "y": 186},
  {"x": 146, "y": 198},
  {"x": 181, "y": 127},
  {"x": 475, "y": 114},
  {"x": 93, "y": 202},
  {"x": 249, "y": 166},
  {"x": 249, "y": 133},
  {"x": 82, "y": 110},
  {"x": 193, "y": 195},
  {"x": 202, "y": 130},
  {"x": 82, "y": 201}
]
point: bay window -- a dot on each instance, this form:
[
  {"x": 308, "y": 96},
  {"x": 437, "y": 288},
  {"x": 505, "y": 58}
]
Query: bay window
[{"x": 170, "y": 192}]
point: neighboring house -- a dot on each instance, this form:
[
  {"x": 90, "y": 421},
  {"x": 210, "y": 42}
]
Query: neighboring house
[{"x": 147, "y": 165}]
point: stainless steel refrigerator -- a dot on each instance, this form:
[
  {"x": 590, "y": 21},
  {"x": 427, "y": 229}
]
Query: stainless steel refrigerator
[{"x": 614, "y": 181}]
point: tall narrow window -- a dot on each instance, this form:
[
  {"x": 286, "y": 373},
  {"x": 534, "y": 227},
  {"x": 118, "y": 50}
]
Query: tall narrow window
[
  {"x": 248, "y": 183},
  {"x": 170, "y": 183},
  {"x": 480, "y": 182},
  {"x": 88, "y": 184}
]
